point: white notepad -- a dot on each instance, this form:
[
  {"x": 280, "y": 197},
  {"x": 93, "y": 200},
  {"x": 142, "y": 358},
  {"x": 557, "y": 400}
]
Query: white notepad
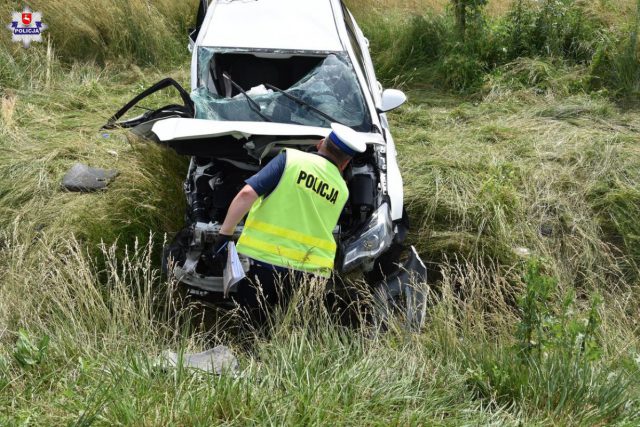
[{"x": 233, "y": 271}]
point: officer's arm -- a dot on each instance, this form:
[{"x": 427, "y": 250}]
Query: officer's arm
[{"x": 238, "y": 209}]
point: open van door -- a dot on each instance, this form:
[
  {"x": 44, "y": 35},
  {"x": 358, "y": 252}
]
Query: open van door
[{"x": 141, "y": 125}]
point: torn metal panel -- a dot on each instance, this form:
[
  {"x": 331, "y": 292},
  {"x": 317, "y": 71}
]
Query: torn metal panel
[
  {"x": 86, "y": 179},
  {"x": 217, "y": 360},
  {"x": 405, "y": 289}
]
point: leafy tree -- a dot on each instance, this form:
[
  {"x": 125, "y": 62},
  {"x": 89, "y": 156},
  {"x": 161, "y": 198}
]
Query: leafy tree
[{"x": 464, "y": 10}]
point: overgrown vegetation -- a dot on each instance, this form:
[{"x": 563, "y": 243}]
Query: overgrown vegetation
[
  {"x": 144, "y": 32},
  {"x": 554, "y": 364},
  {"x": 457, "y": 49},
  {"x": 522, "y": 178}
]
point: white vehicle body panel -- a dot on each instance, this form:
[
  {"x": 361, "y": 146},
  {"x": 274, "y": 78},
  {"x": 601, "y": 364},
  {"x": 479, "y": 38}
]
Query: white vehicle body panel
[
  {"x": 180, "y": 128},
  {"x": 289, "y": 27},
  {"x": 344, "y": 35},
  {"x": 371, "y": 82},
  {"x": 175, "y": 129},
  {"x": 260, "y": 24},
  {"x": 373, "y": 96},
  {"x": 394, "y": 179}
]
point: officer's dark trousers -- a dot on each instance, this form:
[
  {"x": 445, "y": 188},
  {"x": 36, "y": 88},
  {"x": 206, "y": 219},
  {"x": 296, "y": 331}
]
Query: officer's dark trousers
[{"x": 265, "y": 288}]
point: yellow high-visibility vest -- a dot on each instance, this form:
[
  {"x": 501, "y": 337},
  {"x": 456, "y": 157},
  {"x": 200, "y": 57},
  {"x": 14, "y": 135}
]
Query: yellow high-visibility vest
[{"x": 293, "y": 226}]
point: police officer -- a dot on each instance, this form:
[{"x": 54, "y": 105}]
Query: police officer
[{"x": 294, "y": 204}]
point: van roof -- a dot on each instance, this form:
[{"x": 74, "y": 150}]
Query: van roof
[{"x": 273, "y": 24}]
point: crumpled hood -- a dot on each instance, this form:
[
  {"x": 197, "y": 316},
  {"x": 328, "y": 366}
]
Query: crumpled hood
[
  {"x": 175, "y": 129},
  {"x": 238, "y": 140}
]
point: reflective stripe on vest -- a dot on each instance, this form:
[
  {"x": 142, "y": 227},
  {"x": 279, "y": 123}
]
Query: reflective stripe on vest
[{"x": 293, "y": 226}]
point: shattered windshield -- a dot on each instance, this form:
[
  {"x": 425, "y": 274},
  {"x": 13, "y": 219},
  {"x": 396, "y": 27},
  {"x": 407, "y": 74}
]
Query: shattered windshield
[{"x": 330, "y": 88}]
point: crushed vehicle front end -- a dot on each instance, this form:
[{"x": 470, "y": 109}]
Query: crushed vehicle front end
[
  {"x": 225, "y": 154},
  {"x": 245, "y": 106}
]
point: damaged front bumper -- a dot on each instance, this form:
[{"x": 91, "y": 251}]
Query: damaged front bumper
[
  {"x": 406, "y": 290},
  {"x": 185, "y": 272}
]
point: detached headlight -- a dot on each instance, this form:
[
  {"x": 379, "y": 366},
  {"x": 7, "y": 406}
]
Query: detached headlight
[{"x": 376, "y": 237}]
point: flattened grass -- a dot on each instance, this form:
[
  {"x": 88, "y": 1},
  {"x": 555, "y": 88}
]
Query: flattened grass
[
  {"x": 44, "y": 134},
  {"x": 490, "y": 181},
  {"x": 552, "y": 174}
]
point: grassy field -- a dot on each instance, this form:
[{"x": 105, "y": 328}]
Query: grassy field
[
  {"x": 524, "y": 196},
  {"x": 612, "y": 11}
]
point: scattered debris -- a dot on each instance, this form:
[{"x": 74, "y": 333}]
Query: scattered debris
[
  {"x": 523, "y": 252},
  {"x": 85, "y": 178},
  {"x": 546, "y": 230},
  {"x": 216, "y": 360}
]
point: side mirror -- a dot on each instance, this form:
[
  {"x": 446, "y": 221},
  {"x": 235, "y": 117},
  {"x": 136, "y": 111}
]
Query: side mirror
[{"x": 391, "y": 99}]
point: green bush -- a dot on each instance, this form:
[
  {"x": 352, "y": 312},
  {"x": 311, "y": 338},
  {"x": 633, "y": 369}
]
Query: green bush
[
  {"x": 404, "y": 48},
  {"x": 558, "y": 28},
  {"x": 461, "y": 72},
  {"x": 430, "y": 49},
  {"x": 616, "y": 63},
  {"x": 542, "y": 331},
  {"x": 467, "y": 13},
  {"x": 556, "y": 361}
]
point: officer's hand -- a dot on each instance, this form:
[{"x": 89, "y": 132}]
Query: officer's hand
[{"x": 221, "y": 243}]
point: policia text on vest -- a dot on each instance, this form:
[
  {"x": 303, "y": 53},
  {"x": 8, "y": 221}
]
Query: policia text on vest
[{"x": 318, "y": 186}]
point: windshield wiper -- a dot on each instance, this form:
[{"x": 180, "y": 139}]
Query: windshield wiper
[
  {"x": 255, "y": 107},
  {"x": 306, "y": 104}
]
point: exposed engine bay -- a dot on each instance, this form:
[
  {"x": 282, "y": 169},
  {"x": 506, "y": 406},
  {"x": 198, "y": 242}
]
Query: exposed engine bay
[{"x": 211, "y": 185}]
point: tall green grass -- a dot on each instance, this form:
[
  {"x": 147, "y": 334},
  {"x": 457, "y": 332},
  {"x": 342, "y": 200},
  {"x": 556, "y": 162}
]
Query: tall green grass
[
  {"x": 424, "y": 47},
  {"x": 46, "y": 128},
  {"x": 85, "y": 348},
  {"x": 142, "y": 31},
  {"x": 616, "y": 64},
  {"x": 527, "y": 171},
  {"x": 524, "y": 203}
]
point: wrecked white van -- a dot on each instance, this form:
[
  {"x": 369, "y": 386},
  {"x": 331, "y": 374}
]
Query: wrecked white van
[{"x": 270, "y": 74}]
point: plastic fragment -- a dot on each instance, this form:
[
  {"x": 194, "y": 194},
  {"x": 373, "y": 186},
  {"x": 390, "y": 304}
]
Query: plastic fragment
[{"x": 84, "y": 178}]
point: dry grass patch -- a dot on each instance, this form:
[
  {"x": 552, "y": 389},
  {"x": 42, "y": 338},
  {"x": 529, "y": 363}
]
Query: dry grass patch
[{"x": 495, "y": 8}]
